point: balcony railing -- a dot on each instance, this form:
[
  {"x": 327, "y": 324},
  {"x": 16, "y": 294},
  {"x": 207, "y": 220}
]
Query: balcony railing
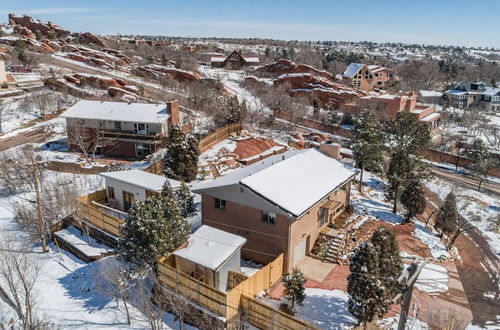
[{"x": 155, "y": 137}]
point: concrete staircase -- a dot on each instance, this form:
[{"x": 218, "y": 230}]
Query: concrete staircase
[{"x": 335, "y": 245}]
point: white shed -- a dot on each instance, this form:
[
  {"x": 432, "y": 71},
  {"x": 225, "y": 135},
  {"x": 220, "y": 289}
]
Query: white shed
[
  {"x": 209, "y": 256},
  {"x": 125, "y": 187}
]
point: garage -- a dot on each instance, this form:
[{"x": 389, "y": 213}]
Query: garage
[{"x": 300, "y": 251}]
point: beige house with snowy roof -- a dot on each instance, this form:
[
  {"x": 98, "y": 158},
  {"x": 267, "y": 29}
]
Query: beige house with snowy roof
[
  {"x": 368, "y": 77},
  {"x": 280, "y": 204}
]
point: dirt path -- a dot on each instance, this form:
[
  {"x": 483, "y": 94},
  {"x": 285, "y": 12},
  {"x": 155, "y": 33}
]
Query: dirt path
[{"x": 479, "y": 273}]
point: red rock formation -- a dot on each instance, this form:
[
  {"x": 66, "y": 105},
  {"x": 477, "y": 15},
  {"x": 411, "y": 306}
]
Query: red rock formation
[
  {"x": 158, "y": 71},
  {"x": 24, "y": 32},
  {"x": 98, "y": 81},
  {"x": 90, "y": 38},
  {"x": 34, "y": 25},
  {"x": 284, "y": 66},
  {"x": 325, "y": 91}
]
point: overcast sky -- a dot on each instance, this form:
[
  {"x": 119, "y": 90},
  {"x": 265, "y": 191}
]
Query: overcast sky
[{"x": 457, "y": 22}]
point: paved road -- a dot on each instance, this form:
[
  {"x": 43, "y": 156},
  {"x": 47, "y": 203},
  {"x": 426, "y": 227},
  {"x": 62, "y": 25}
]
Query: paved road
[{"x": 466, "y": 181}]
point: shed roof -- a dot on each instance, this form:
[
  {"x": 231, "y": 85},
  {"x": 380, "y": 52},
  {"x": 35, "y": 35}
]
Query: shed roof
[
  {"x": 118, "y": 111},
  {"x": 138, "y": 178},
  {"x": 210, "y": 247}
]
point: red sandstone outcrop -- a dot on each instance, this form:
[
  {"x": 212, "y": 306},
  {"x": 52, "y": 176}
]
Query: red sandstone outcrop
[
  {"x": 90, "y": 38},
  {"x": 284, "y": 66},
  {"x": 325, "y": 91},
  {"x": 158, "y": 71},
  {"x": 48, "y": 30}
]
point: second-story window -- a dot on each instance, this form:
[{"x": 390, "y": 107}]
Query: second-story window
[
  {"x": 111, "y": 193},
  {"x": 219, "y": 204},
  {"x": 269, "y": 217},
  {"x": 323, "y": 216}
]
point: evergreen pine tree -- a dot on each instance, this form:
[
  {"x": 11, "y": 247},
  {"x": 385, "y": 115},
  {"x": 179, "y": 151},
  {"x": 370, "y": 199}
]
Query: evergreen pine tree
[
  {"x": 413, "y": 199},
  {"x": 372, "y": 284},
  {"x": 368, "y": 143},
  {"x": 164, "y": 60},
  {"x": 294, "y": 286},
  {"x": 407, "y": 138},
  {"x": 447, "y": 216},
  {"x": 181, "y": 159},
  {"x": 185, "y": 200},
  {"x": 153, "y": 228}
]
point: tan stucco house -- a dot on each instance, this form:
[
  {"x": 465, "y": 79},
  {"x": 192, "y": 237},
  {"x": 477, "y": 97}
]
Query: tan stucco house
[{"x": 279, "y": 205}]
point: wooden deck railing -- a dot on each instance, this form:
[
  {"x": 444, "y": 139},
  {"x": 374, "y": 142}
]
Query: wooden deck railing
[
  {"x": 87, "y": 211},
  {"x": 219, "y": 135}
]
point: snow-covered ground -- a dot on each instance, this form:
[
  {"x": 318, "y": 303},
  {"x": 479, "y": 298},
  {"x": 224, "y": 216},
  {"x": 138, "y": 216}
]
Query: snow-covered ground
[
  {"x": 19, "y": 112},
  {"x": 327, "y": 309},
  {"x": 433, "y": 279},
  {"x": 69, "y": 292},
  {"x": 480, "y": 209}
]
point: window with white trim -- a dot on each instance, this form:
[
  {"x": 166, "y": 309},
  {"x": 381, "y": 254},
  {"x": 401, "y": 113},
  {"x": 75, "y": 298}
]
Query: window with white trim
[{"x": 269, "y": 217}]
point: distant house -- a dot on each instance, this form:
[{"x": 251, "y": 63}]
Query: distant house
[
  {"x": 387, "y": 106},
  {"x": 475, "y": 94},
  {"x": 121, "y": 129},
  {"x": 125, "y": 187},
  {"x": 429, "y": 96},
  {"x": 235, "y": 60},
  {"x": 367, "y": 77},
  {"x": 209, "y": 256},
  {"x": 279, "y": 204}
]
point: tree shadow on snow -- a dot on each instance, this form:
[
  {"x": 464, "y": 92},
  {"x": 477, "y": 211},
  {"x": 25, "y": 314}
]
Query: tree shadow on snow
[
  {"x": 327, "y": 312},
  {"x": 88, "y": 284},
  {"x": 380, "y": 211}
]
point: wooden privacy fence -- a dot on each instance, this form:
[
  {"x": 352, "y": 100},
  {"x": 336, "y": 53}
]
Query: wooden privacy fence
[
  {"x": 212, "y": 139},
  {"x": 264, "y": 316},
  {"x": 90, "y": 213},
  {"x": 205, "y": 143},
  {"x": 260, "y": 281},
  {"x": 191, "y": 288},
  {"x": 226, "y": 304}
]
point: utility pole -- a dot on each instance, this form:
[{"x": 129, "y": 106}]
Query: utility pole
[
  {"x": 41, "y": 225},
  {"x": 413, "y": 273},
  {"x": 35, "y": 160}
]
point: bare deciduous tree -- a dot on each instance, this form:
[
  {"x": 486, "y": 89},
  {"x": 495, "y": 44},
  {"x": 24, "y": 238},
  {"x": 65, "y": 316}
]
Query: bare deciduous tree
[
  {"x": 19, "y": 271},
  {"x": 115, "y": 273}
]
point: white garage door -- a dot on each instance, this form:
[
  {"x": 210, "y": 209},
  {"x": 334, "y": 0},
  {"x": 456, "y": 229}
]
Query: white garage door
[{"x": 300, "y": 251}]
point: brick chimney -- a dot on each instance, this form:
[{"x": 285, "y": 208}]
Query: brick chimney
[
  {"x": 331, "y": 149},
  {"x": 173, "y": 110}
]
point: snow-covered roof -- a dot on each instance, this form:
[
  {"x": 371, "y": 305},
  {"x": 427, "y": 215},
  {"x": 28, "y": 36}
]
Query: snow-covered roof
[
  {"x": 294, "y": 181},
  {"x": 138, "y": 178},
  {"x": 251, "y": 59},
  {"x": 433, "y": 116},
  {"x": 218, "y": 59},
  {"x": 352, "y": 69},
  {"x": 376, "y": 68},
  {"x": 430, "y": 93},
  {"x": 210, "y": 247},
  {"x": 489, "y": 91},
  {"x": 118, "y": 111}
]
